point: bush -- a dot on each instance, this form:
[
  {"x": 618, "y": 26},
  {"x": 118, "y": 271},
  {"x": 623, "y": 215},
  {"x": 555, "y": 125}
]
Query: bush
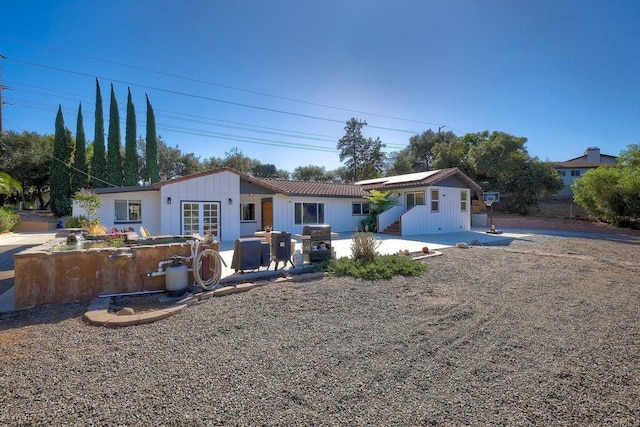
[
  {"x": 8, "y": 219},
  {"x": 381, "y": 267},
  {"x": 364, "y": 246},
  {"x": 74, "y": 221}
]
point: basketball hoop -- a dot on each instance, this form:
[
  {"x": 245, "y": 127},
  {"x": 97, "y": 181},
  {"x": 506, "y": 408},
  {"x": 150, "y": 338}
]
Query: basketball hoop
[{"x": 489, "y": 202}]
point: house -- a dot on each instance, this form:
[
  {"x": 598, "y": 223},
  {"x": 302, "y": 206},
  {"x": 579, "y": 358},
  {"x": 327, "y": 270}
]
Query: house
[
  {"x": 573, "y": 169},
  {"x": 228, "y": 204}
]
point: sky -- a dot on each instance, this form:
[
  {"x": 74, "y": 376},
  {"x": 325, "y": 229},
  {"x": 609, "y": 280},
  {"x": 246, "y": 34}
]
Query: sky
[{"x": 278, "y": 79}]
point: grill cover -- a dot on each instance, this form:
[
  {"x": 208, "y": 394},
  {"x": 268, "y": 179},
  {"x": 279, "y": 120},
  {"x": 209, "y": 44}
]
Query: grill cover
[{"x": 250, "y": 254}]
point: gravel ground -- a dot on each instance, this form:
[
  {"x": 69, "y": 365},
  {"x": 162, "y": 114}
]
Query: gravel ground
[{"x": 542, "y": 331}]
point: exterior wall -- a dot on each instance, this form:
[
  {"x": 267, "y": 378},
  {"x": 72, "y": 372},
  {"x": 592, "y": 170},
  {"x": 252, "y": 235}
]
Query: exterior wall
[
  {"x": 247, "y": 228},
  {"x": 220, "y": 187},
  {"x": 389, "y": 216},
  {"x": 420, "y": 219},
  {"x": 149, "y": 209},
  {"x": 337, "y": 213}
]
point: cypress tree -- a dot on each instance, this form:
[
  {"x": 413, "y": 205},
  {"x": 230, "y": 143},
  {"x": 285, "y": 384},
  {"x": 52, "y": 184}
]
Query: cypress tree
[
  {"x": 151, "y": 151},
  {"x": 114, "y": 157},
  {"x": 98, "y": 161},
  {"x": 60, "y": 177},
  {"x": 79, "y": 176},
  {"x": 130, "y": 149}
]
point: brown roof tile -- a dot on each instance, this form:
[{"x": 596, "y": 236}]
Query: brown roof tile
[{"x": 309, "y": 188}]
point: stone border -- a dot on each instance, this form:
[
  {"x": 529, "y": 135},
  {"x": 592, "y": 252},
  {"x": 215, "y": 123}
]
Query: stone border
[{"x": 98, "y": 311}]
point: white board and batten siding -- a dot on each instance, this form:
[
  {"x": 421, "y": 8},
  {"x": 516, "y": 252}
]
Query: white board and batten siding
[
  {"x": 222, "y": 188},
  {"x": 449, "y": 217},
  {"x": 149, "y": 212},
  {"x": 337, "y": 213}
]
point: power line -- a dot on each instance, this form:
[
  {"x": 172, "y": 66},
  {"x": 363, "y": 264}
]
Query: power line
[
  {"x": 211, "y": 134},
  {"x": 206, "y": 98},
  {"x": 222, "y": 85}
]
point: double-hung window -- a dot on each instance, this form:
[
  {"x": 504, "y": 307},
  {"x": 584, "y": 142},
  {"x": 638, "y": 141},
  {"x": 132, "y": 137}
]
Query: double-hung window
[
  {"x": 435, "y": 200},
  {"x": 309, "y": 213},
  {"x": 463, "y": 200},
  {"x": 128, "y": 211}
]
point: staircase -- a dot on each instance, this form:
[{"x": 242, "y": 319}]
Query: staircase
[{"x": 393, "y": 229}]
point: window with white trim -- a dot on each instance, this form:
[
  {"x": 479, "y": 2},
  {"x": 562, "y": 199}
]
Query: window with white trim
[
  {"x": 128, "y": 211},
  {"x": 562, "y": 172},
  {"x": 414, "y": 199},
  {"x": 575, "y": 172},
  {"x": 435, "y": 200},
  {"x": 360, "y": 208},
  {"x": 463, "y": 201},
  {"x": 247, "y": 212},
  {"x": 309, "y": 213}
]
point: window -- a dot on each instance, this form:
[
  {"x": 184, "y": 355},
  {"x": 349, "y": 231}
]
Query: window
[
  {"x": 414, "y": 199},
  {"x": 463, "y": 201},
  {"x": 247, "y": 212},
  {"x": 360, "y": 209},
  {"x": 128, "y": 211},
  {"x": 562, "y": 173},
  {"x": 575, "y": 172},
  {"x": 309, "y": 213},
  {"x": 435, "y": 200}
]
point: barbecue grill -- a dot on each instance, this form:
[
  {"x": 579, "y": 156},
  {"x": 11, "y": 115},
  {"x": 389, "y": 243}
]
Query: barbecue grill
[
  {"x": 316, "y": 243},
  {"x": 281, "y": 248}
]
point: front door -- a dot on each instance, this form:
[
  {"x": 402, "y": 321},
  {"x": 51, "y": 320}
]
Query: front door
[
  {"x": 201, "y": 217},
  {"x": 267, "y": 213}
]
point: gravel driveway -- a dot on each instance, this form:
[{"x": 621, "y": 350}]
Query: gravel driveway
[{"x": 543, "y": 331}]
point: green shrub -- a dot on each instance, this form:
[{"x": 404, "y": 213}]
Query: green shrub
[
  {"x": 381, "y": 267},
  {"x": 8, "y": 219},
  {"x": 75, "y": 221},
  {"x": 364, "y": 246},
  {"x": 80, "y": 221}
]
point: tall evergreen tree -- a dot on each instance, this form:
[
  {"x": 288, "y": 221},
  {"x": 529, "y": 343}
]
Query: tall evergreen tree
[
  {"x": 363, "y": 157},
  {"x": 151, "y": 151},
  {"x": 114, "y": 157},
  {"x": 60, "y": 177},
  {"x": 79, "y": 178},
  {"x": 99, "y": 161},
  {"x": 130, "y": 150}
]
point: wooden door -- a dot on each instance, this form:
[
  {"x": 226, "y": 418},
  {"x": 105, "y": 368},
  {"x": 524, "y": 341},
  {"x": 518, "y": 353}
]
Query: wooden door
[{"x": 267, "y": 213}]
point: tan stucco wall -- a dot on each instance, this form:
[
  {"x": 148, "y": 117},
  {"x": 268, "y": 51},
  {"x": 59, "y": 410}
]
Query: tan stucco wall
[{"x": 44, "y": 277}]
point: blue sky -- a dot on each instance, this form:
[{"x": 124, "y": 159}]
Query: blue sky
[{"x": 278, "y": 79}]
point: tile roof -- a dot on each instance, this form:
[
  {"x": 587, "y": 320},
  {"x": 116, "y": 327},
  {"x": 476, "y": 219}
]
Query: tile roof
[{"x": 309, "y": 188}]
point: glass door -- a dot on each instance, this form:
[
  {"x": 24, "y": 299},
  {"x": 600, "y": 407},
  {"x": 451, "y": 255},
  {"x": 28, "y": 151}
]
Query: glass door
[{"x": 202, "y": 218}]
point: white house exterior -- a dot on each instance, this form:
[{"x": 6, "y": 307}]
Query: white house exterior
[
  {"x": 575, "y": 168},
  {"x": 228, "y": 204},
  {"x": 428, "y": 202}
]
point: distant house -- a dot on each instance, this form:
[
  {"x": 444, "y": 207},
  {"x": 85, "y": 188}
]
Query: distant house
[
  {"x": 228, "y": 204},
  {"x": 573, "y": 169}
]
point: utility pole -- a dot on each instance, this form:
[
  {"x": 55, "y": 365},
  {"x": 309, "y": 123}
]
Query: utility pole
[{"x": 1, "y": 87}]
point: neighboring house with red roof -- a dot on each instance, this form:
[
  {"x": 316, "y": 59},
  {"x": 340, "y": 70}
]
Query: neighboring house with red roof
[
  {"x": 575, "y": 168},
  {"x": 228, "y": 204}
]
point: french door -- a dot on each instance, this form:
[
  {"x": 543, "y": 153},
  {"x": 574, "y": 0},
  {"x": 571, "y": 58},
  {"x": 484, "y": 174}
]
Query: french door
[{"x": 202, "y": 218}]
